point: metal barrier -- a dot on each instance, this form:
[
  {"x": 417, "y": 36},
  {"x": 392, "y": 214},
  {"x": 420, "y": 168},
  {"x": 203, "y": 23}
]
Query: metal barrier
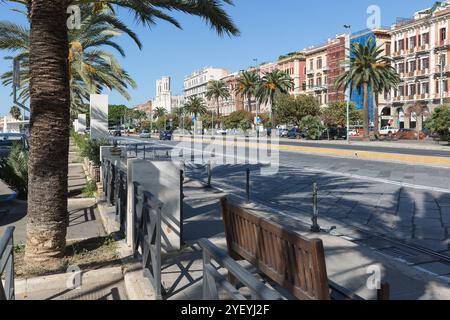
[
  {"x": 7, "y": 264},
  {"x": 148, "y": 231},
  {"x": 120, "y": 198},
  {"x": 213, "y": 281}
]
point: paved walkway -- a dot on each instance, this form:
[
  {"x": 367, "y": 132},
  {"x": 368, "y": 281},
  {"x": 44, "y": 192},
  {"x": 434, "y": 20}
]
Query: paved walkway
[{"x": 347, "y": 262}]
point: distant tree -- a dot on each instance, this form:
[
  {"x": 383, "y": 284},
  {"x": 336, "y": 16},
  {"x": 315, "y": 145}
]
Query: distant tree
[
  {"x": 216, "y": 90},
  {"x": 196, "y": 106},
  {"x": 116, "y": 113},
  {"x": 291, "y": 110},
  {"x": 274, "y": 83},
  {"x": 335, "y": 114},
  {"x": 234, "y": 120},
  {"x": 439, "y": 122},
  {"x": 247, "y": 86},
  {"x": 15, "y": 112},
  {"x": 313, "y": 127}
]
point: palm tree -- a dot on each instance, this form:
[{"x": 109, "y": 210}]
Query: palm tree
[
  {"x": 50, "y": 107},
  {"x": 159, "y": 113},
  {"x": 217, "y": 89},
  {"x": 247, "y": 86},
  {"x": 15, "y": 112},
  {"x": 196, "y": 106},
  {"x": 368, "y": 68},
  {"x": 91, "y": 67},
  {"x": 273, "y": 83}
]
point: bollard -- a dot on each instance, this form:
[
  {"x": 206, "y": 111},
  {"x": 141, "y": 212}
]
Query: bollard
[
  {"x": 248, "y": 185},
  {"x": 315, "y": 226},
  {"x": 136, "y": 148},
  {"x": 144, "y": 151},
  {"x": 208, "y": 171}
]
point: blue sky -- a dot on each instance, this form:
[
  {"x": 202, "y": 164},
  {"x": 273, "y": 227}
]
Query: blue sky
[{"x": 269, "y": 28}]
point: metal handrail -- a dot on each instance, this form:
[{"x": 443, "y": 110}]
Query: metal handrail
[
  {"x": 213, "y": 280},
  {"x": 7, "y": 263}
]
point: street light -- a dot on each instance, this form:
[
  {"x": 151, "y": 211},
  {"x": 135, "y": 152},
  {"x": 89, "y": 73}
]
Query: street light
[
  {"x": 257, "y": 101},
  {"x": 349, "y": 27},
  {"x": 442, "y": 66}
]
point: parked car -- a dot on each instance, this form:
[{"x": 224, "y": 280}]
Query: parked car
[
  {"x": 408, "y": 134},
  {"x": 145, "y": 134},
  {"x": 296, "y": 133},
  {"x": 283, "y": 133},
  {"x": 384, "y": 131},
  {"x": 334, "y": 134},
  {"x": 115, "y": 132},
  {"x": 7, "y": 140},
  {"x": 222, "y": 131},
  {"x": 165, "y": 135}
]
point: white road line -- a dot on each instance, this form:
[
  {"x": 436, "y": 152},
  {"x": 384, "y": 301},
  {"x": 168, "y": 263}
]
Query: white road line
[{"x": 333, "y": 173}]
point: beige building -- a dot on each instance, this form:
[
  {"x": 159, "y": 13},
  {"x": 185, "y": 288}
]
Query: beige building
[
  {"x": 195, "y": 84},
  {"x": 421, "y": 48},
  {"x": 316, "y": 72}
]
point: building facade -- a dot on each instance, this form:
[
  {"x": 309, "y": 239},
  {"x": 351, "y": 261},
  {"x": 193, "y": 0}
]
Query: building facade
[
  {"x": 294, "y": 65},
  {"x": 146, "y": 107},
  {"x": 317, "y": 73},
  {"x": 195, "y": 84},
  {"x": 163, "y": 97},
  {"x": 421, "y": 48}
]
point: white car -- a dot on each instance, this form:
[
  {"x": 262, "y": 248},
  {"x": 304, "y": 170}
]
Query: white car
[
  {"x": 145, "y": 134},
  {"x": 388, "y": 130},
  {"x": 222, "y": 131}
]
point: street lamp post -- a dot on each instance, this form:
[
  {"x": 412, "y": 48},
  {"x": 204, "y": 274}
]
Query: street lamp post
[
  {"x": 442, "y": 66},
  {"x": 257, "y": 101},
  {"x": 349, "y": 27}
]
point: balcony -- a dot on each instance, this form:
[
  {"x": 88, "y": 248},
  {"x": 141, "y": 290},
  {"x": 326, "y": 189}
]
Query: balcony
[
  {"x": 423, "y": 48},
  {"x": 317, "y": 87},
  {"x": 310, "y": 71},
  {"x": 441, "y": 44}
]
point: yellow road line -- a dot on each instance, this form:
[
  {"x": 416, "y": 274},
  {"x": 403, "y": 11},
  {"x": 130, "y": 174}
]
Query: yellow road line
[{"x": 356, "y": 154}]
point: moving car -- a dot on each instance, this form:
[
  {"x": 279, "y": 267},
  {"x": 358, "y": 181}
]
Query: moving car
[
  {"x": 145, "y": 134},
  {"x": 334, "y": 134},
  {"x": 283, "y": 133},
  {"x": 7, "y": 140},
  {"x": 222, "y": 131},
  {"x": 165, "y": 135},
  {"x": 384, "y": 131}
]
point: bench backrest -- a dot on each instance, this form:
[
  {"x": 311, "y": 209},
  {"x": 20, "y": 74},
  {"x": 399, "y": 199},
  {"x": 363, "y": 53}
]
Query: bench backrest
[{"x": 290, "y": 260}]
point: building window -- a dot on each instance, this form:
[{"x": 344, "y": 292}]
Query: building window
[
  {"x": 425, "y": 39},
  {"x": 401, "y": 44},
  {"x": 443, "y": 34},
  {"x": 401, "y": 90},
  {"x": 311, "y": 64},
  {"x": 425, "y": 88},
  {"x": 388, "y": 48},
  {"x": 412, "y": 42},
  {"x": 412, "y": 66},
  {"x": 425, "y": 63},
  {"x": 412, "y": 89},
  {"x": 319, "y": 63},
  {"x": 401, "y": 68}
]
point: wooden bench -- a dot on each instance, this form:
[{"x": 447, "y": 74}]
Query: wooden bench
[{"x": 289, "y": 260}]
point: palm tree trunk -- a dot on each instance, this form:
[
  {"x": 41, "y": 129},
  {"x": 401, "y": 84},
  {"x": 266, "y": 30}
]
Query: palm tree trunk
[
  {"x": 49, "y": 127},
  {"x": 218, "y": 112},
  {"x": 366, "y": 110},
  {"x": 249, "y": 102}
]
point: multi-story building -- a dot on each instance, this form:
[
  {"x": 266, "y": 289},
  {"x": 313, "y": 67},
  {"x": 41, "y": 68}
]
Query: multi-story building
[
  {"x": 163, "y": 97},
  {"x": 336, "y": 54},
  {"x": 177, "y": 101},
  {"x": 421, "y": 47},
  {"x": 294, "y": 65},
  {"x": 316, "y": 72},
  {"x": 146, "y": 107},
  {"x": 235, "y": 102},
  {"x": 195, "y": 84}
]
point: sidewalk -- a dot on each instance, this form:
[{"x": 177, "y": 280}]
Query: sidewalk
[{"x": 347, "y": 262}]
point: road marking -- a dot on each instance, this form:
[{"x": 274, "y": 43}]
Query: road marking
[{"x": 333, "y": 173}]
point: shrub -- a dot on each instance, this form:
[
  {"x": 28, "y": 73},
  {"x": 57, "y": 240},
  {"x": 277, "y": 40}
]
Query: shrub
[
  {"x": 91, "y": 149},
  {"x": 313, "y": 126},
  {"x": 90, "y": 189},
  {"x": 14, "y": 170},
  {"x": 439, "y": 122}
]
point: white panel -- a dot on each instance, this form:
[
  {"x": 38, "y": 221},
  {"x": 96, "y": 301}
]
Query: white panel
[
  {"x": 81, "y": 123},
  {"x": 99, "y": 116}
]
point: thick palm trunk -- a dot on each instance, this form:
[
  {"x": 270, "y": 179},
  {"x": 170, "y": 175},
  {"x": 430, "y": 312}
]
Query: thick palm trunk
[
  {"x": 49, "y": 129},
  {"x": 366, "y": 110},
  {"x": 249, "y": 103}
]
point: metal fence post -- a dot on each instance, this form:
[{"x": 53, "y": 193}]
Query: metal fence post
[
  {"x": 247, "y": 187},
  {"x": 208, "y": 171},
  {"x": 144, "y": 151},
  {"x": 136, "y": 148},
  {"x": 315, "y": 226}
]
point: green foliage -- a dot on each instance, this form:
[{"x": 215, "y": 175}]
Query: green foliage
[
  {"x": 233, "y": 121},
  {"x": 291, "y": 110},
  {"x": 217, "y": 89},
  {"x": 248, "y": 84},
  {"x": 439, "y": 122},
  {"x": 245, "y": 124},
  {"x": 90, "y": 189},
  {"x": 196, "y": 106},
  {"x": 313, "y": 126},
  {"x": 116, "y": 113},
  {"x": 91, "y": 149},
  {"x": 14, "y": 170},
  {"x": 335, "y": 114},
  {"x": 15, "y": 112}
]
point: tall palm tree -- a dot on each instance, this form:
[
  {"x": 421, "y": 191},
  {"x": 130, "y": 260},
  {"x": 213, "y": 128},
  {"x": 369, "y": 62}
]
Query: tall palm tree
[
  {"x": 273, "y": 83},
  {"x": 160, "y": 113},
  {"x": 91, "y": 67},
  {"x": 366, "y": 68},
  {"x": 196, "y": 106},
  {"x": 247, "y": 86},
  {"x": 217, "y": 89},
  {"x": 50, "y": 107}
]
